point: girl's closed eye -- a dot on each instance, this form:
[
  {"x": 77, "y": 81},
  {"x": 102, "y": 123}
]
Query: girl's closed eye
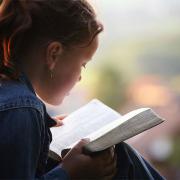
[{"x": 84, "y": 65}]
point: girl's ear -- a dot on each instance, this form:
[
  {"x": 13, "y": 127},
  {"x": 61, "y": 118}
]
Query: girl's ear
[{"x": 53, "y": 53}]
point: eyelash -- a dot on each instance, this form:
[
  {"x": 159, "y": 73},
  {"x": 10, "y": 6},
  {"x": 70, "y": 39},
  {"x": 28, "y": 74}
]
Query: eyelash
[{"x": 84, "y": 66}]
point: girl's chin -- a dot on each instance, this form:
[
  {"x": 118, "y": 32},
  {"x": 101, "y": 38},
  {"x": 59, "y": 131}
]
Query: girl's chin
[
  {"x": 60, "y": 100},
  {"x": 57, "y": 100}
]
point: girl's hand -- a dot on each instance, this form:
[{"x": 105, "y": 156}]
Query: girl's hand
[
  {"x": 59, "y": 119},
  {"x": 81, "y": 166}
]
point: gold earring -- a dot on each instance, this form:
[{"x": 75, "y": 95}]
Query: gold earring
[{"x": 51, "y": 74}]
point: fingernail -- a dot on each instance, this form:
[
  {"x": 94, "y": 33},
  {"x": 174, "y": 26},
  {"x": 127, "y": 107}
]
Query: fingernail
[
  {"x": 112, "y": 151},
  {"x": 59, "y": 123}
]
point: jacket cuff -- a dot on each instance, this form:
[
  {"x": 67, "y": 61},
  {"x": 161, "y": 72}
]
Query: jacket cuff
[{"x": 57, "y": 173}]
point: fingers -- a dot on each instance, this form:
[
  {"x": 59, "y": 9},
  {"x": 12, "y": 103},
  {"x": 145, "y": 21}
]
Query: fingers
[
  {"x": 58, "y": 123},
  {"x": 81, "y": 166},
  {"x": 111, "y": 166},
  {"x": 110, "y": 171},
  {"x": 108, "y": 155},
  {"x": 110, "y": 176},
  {"x": 108, "y": 163},
  {"x": 59, "y": 119},
  {"x": 112, "y": 156}
]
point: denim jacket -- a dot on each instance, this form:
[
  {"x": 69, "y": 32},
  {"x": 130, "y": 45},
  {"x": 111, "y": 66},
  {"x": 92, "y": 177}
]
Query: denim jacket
[
  {"x": 24, "y": 133},
  {"x": 25, "y": 139}
]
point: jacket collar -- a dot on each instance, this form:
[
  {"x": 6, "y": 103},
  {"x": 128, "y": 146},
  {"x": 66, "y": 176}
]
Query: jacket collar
[{"x": 24, "y": 79}]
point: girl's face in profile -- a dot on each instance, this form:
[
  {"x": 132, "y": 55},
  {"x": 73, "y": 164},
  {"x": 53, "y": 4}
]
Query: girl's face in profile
[{"x": 67, "y": 71}]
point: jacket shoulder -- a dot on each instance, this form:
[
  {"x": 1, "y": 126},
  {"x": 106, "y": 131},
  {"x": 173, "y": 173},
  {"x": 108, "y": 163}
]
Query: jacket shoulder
[{"x": 18, "y": 95}]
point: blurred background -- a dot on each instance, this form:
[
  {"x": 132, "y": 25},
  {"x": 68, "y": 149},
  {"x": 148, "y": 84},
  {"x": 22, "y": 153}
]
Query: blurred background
[{"x": 137, "y": 65}]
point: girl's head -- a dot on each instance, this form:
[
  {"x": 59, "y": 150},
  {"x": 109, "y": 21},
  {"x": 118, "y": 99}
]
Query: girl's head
[{"x": 50, "y": 40}]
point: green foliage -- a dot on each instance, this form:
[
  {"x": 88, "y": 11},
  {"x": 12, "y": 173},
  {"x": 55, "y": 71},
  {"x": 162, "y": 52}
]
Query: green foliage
[
  {"x": 175, "y": 156},
  {"x": 111, "y": 88}
]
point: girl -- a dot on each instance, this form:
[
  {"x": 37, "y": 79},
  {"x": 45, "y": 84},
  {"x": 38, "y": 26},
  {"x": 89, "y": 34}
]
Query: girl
[{"x": 44, "y": 44}]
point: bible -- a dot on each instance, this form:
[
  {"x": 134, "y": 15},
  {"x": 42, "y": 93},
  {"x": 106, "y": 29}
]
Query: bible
[{"x": 102, "y": 125}]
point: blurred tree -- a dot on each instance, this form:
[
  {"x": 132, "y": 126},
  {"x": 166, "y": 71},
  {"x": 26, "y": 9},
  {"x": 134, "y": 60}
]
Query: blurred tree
[
  {"x": 174, "y": 159},
  {"x": 111, "y": 87}
]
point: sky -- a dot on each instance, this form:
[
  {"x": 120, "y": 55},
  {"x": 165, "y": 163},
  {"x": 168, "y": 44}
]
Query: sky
[{"x": 136, "y": 17}]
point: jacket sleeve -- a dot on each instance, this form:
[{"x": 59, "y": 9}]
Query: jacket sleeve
[{"x": 20, "y": 143}]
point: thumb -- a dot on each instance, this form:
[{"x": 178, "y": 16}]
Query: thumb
[{"x": 79, "y": 146}]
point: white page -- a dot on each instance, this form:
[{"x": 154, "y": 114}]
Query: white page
[
  {"x": 125, "y": 127},
  {"x": 81, "y": 123},
  {"x": 116, "y": 123}
]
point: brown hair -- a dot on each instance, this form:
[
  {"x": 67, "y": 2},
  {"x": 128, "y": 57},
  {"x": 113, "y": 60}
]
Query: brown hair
[{"x": 26, "y": 24}]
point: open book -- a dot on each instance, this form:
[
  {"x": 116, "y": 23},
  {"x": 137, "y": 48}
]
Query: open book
[{"x": 102, "y": 125}]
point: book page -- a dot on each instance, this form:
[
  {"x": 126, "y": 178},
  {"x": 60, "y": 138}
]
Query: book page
[
  {"x": 125, "y": 127},
  {"x": 81, "y": 123},
  {"x": 100, "y": 132}
]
